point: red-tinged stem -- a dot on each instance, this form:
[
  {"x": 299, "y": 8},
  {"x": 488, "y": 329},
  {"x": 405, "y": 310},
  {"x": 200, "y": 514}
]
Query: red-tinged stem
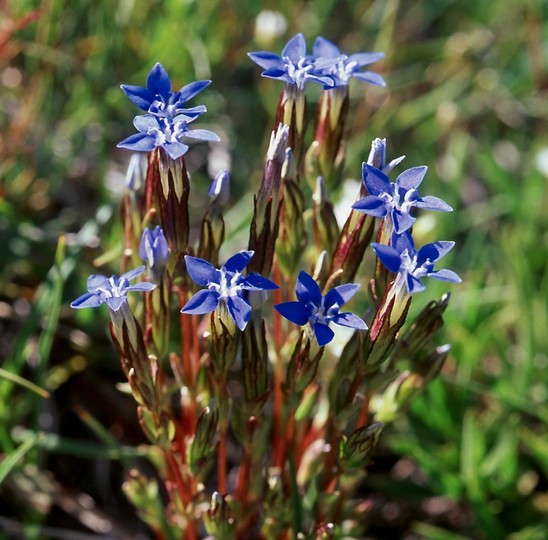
[
  {"x": 177, "y": 478},
  {"x": 243, "y": 480},
  {"x": 363, "y": 417},
  {"x": 185, "y": 492}
]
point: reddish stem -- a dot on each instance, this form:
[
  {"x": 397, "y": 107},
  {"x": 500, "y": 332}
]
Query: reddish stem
[
  {"x": 363, "y": 417},
  {"x": 243, "y": 480}
]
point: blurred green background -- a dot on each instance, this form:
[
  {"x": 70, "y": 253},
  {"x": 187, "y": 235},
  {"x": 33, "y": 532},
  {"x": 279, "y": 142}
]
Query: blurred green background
[{"x": 467, "y": 96}]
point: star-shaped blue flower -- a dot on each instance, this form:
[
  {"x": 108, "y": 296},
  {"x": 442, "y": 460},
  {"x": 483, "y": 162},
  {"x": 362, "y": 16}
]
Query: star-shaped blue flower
[
  {"x": 157, "y": 97},
  {"x": 411, "y": 265},
  {"x": 318, "y": 311},
  {"x": 111, "y": 291},
  {"x": 225, "y": 285},
  {"x": 294, "y": 66},
  {"x": 396, "y": 198},
  {"x": 166, "y": 133},
  {"x": 346, "y": 67}
]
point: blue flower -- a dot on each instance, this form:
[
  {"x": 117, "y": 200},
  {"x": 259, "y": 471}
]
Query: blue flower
[
  {"x": 111, "y": 291},
  {"x": 412, "y": 265},
  {"x": 294, "y": 66},
  {"x": 164, "y": 132},
  {"x": 318, "y": 311},
  {"x": 157, "y": 98},
  {"x": 225, "y": 285},
  {"x": 396, "y": 199},
  {"x": 154, "y": 250},
  {"x": 346, "y": 67}
]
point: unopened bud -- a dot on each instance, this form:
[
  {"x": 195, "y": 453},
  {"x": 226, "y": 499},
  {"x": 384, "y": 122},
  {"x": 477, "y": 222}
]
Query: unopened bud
[
  {"x": 202, "y": 447},
  {"x": 356, "y": 449},
  {"x": 154, "y": 251},
  {"x": 219, "y": 190}
]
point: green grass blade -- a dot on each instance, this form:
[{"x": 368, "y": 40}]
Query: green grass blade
[{"x": 14, "y": 457}]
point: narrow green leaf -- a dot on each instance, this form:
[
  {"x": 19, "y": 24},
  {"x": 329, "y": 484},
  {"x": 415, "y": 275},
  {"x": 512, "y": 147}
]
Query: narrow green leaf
[{"x": 14, "y": 457}]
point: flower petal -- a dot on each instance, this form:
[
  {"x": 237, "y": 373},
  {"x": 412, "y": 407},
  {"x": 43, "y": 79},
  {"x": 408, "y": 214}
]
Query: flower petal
[
  {"x": 403, "y": 221},
  {"x": 267, "y": 60},
  {"x": 202, "y": 134},
  {"x": 255, "y": 281},
  {"x": 375, "y": 180},
  {"x": 307, "y": 290},
  {"x": 295, "y": 48},
  {"x": 434, "y": 251},
  {"x": 372, "y": 205},
  {"x": 158, "y": 81},
  {"x": 144, "y": 122},
  {"x": 204, "y": 301},
  {"x": 411, "y": 178},
  {"x": 142, "y": 97},
  {"x": 340, "y": 295},
  {"x": 365, "y": 58},
  {"x": 239, "y": 310},
  {"x": 402, "y": 242},
  {"x": 140, "y": 142},
  {"x": 96, "y": 282},
  {"x": 277, "y": 74},
  {"x": 324, "y": 47},
  {"x": 296, "y": 312},
  {"x": 445, "y": 275},
  {"x": 132, "y": 274},
  {"x": 115, "y": 302},
  {"x": 175, "y": 149},
  {"x": 388, "y": 255},
  {"x": 193, "y": 112},
  {"x": 238, "y": 262},
  {"x": 142, "y": 286},
  {"x": 201, "y": 271},
  {"x": 323, "y": 333},
  {"x": 351, "y": 320},
  {"x": 369, "y": 77},
  {"x": 433, "y": 203},
  {"x": 188, "y": 91},
  {"x": 413, "y": 284},
  {"x": 86, "y": 301}
]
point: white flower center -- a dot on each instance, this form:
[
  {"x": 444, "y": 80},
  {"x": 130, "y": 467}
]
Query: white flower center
[
  {"x": 228, "y": 285},
  {"x": 394, "y": 200},
  {"x": 298, "y": 72},
  {"x": 117, "y": 288},
  {"x": 320, "y": 314},
  {"x": 171, "y": 132}
]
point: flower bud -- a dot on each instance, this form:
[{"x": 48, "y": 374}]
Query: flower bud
[
  {"x": 154, "y": 250},
  {"x": 266, "y": 215},
  {"x": 357, "y": 447},
  {"x": 326, "y": 229},
  {"x": 202, "y": 448}
]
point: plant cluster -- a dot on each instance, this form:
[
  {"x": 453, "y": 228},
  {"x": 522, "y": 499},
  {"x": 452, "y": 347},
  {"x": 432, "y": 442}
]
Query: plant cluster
[{"x": 261, "y": 414}]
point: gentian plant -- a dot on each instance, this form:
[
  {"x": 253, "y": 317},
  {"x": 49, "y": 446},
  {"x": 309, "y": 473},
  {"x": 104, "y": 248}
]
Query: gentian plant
[{"x": 260, "y": 418}]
